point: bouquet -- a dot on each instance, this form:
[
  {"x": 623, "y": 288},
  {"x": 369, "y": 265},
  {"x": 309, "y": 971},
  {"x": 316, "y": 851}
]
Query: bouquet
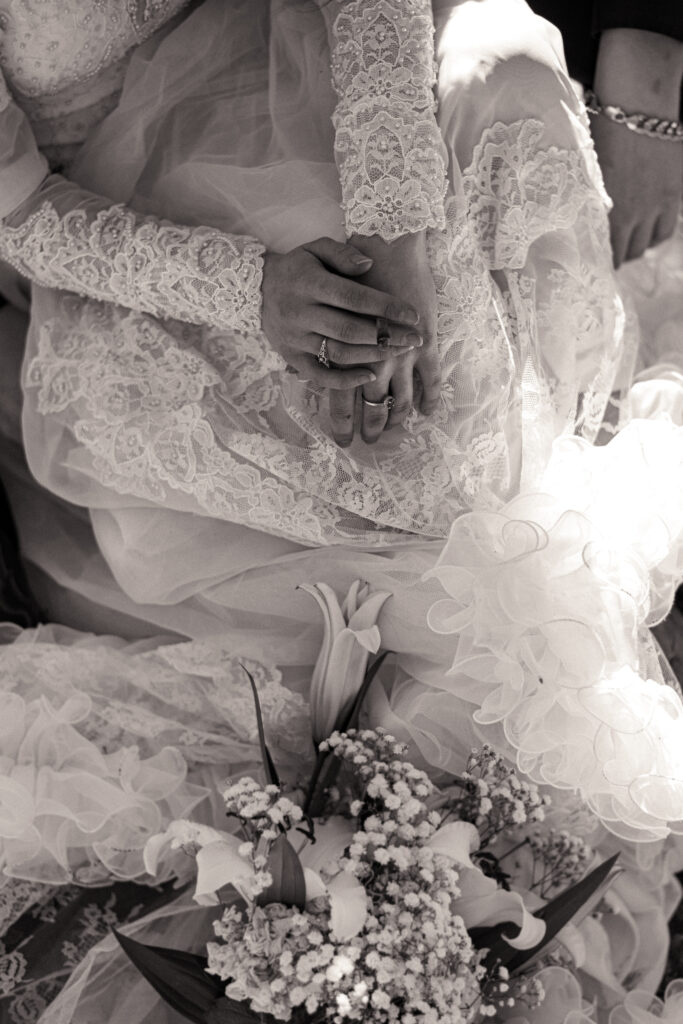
[{"x": 372, "y": 894}]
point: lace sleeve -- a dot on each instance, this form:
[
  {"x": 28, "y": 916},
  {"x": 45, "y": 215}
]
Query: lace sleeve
[
  {"x": 64, "y": 237},
  {"x": 388, "y": 146}
]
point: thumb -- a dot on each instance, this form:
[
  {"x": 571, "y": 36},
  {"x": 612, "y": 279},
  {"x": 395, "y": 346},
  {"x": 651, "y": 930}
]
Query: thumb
[{"x": 339, "y": 256}]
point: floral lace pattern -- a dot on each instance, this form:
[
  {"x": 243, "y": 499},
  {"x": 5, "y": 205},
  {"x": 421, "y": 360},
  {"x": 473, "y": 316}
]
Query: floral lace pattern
[
  {"x": 202, "y": 420},
  {"x": 196, "y": 274},
  {"x": 52, "y": 935},
  {"x": 48, "y": 48},
  {"x": 388, "y": 146}
]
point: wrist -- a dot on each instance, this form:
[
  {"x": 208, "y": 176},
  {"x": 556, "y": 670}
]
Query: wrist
[
  {"x": 640, "y": 71},
  {"x": 375, "y": 246}
]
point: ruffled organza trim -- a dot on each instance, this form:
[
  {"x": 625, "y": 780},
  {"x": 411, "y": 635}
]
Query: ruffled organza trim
[
  {"x": 69, "y": 811},
  {"x": 550, "y": 599},
  {"x": 103, "y": 743}
]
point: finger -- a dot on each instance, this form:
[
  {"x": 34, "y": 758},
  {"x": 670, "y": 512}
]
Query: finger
[
  {"x": 666, "y": 225},
  {"x": 428, "y": 370},
  {"x": 342, "y": 416},
  {"x": 360, "y": 330},
  {"x": 339, "y": 256},
  {"x": 353, "y": 355},
  {"x": 374, "y": 417},
  {"x": 402, "y": 392},
  {"x": 374, "y": 414},
  {"x": 308, "y": 368},
  {"x": 340, "y": 293},
  {"x": 640, "y": 240}
]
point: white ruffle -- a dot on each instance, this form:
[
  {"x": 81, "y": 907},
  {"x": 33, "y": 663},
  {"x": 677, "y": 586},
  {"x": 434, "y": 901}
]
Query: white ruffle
[
  {"x": 103, "y": 743},
  {"x": 549, "y": 599}
]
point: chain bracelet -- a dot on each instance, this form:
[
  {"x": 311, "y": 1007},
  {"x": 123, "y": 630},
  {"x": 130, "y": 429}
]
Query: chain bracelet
[{"x": 641, "y": 124}]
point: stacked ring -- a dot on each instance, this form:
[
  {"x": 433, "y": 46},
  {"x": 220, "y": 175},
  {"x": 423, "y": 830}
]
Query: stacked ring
[{"x": 323, "y": 357}]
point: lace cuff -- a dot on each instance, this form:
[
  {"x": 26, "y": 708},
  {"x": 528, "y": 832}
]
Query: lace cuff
[
  {"x": 389, "y": 149},
  {"x": 197, "y": 275}
]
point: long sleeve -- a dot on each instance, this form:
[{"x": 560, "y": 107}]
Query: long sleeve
[
  {"x": 61, "y": 236},
  {"x": 389, "y": 150}
]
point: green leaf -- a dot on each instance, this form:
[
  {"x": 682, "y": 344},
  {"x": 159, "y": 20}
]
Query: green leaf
[
  {"x": 327, "y": 765},
  {"x": 556, "y": 913},
  {"x": 272, "y": 778},
  {"x": 179, "y": 978},
  {"x": 289, "y": 883}
]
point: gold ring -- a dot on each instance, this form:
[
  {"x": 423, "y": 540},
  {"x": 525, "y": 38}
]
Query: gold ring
[
  {"x": 323, "y": 357},
  {"x": 386, "y": 403}
]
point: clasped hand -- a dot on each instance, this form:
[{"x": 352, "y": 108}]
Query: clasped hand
[{"x": 341, "y": 293}]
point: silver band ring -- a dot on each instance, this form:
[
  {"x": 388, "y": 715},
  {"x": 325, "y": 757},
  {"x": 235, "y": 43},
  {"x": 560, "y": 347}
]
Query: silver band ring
[
  {"x": 386, "y": 403},
  {"x": 323, "y": 357}
]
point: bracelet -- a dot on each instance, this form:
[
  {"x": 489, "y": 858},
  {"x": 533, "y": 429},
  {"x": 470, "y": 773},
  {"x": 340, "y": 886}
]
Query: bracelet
[{"x": 641, "y": 124}]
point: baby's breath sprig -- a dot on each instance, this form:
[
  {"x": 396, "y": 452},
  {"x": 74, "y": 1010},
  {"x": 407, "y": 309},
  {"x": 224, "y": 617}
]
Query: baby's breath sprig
[
  {"x": 562, "y": 859},
  {"x": 491, "y": 796},
  {"x": 264, "y": 812}
]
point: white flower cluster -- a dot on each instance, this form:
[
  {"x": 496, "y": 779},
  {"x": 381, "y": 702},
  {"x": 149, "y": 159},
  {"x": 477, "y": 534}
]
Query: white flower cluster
[
  {"x": 263, "y": 812},
  {"x": 413, "y": 960},
  {"x": 496, "y": 798}
]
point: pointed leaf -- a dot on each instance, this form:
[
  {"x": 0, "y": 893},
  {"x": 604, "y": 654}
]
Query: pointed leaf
[
  {"x": 269, "y": 768},
  {"x": 179, "y": 978},
  {"x": 556, "y": 914},
  {"x": 289, "y": 882}
]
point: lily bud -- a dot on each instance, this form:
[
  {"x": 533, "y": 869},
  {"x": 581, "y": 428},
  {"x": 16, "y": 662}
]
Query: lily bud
[{"x": 350, "y": 636}]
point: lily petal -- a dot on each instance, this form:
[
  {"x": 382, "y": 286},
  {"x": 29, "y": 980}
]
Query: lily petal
[
  {"x": 456, "y": 840},
  {"x": 219, "y": 864},
  {"x": 348, "y": 906}
]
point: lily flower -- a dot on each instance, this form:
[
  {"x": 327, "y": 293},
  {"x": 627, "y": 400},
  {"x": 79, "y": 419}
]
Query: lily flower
[
  {"x": 481, "y": 902},
  {"x": 350, "y": 636},
  {"x": 222, "y": 860}
]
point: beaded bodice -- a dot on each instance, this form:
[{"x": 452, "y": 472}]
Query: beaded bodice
[{"x": 64, "y": 60}]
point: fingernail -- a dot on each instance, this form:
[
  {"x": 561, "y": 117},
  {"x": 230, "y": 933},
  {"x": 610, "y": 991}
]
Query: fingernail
[
  {"x": 410, "y": 315},
  {"x": 369, "y": 379},
  {"x": 360, "y": 260}
]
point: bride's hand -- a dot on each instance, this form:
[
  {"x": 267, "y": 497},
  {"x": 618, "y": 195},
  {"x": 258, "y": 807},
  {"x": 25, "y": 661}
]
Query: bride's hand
[
  {"x": 308, "y": 296},
  {"x": 402, "y": 268}
]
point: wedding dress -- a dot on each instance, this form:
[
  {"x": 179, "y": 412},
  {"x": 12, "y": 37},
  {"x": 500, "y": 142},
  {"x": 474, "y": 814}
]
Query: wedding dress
[{"x": 211, "y": 483}]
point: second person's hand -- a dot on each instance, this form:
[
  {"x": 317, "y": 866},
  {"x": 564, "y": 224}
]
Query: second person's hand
[
  {"x": 402, "y": 380},
  {"x": 309, "y": 295}
]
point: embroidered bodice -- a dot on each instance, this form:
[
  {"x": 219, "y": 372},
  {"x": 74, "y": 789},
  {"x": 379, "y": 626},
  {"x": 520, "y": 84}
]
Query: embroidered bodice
[{"x": 65, "y": 61}]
